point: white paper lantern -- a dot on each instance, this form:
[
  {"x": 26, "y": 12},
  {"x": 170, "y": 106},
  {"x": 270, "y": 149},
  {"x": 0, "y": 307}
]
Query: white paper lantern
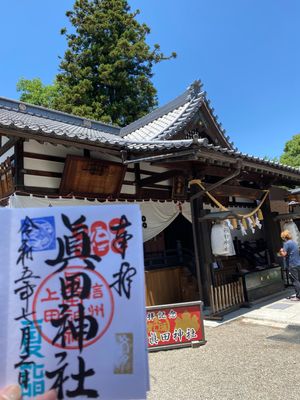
[
  {"x": 294, "y": 231},
  {"x": 221, "y": 240}
]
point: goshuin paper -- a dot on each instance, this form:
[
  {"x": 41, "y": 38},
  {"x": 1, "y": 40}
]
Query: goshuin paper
[{"x": 72, "y": 304}]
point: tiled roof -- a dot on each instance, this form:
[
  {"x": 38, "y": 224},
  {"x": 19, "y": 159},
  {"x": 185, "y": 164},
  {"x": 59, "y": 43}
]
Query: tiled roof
[
  {"x": 165, "y": 122},
  {"x": 44, "y": 122},
  {"x": 161, "y": 124},
  {"x": 146, "y": 135},
  {"x": 248, "y": 157},
  {"x": 164, "y": 144},
  {"x": 202, "y": 143}
]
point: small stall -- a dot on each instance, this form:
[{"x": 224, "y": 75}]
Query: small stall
[{"x": 243, "y": 265}]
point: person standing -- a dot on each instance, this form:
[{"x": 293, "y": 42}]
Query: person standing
[{"x": 290, "y": 251}]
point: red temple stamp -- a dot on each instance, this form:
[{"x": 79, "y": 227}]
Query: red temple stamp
[{"x": 76, "y": 305}]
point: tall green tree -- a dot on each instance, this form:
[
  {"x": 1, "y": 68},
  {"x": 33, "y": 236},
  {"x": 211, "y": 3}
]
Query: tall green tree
[
  {"x": 107, "y": 68},
  {"x": 291, "y": 153}
]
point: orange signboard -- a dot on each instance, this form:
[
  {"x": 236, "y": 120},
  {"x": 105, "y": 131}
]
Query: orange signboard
[{"x": 175, "y": 325}]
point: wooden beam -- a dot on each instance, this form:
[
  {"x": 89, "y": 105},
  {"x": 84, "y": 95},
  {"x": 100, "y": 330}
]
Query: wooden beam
[
  {"x": 42, "y": 173},
  {"x": 158, "y": 177},
  {"x": 8, "y": 145},
  {"x": 237, "y": 191},
  {"x": 147, "y": 194},
  {"x": 44, "y": 157}
]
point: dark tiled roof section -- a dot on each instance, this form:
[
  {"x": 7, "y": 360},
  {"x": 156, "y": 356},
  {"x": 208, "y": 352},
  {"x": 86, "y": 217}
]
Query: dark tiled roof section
[
  {"x": 49, "y": 127},
  {"x": 58, "y": 116},
  {"x": 189, "y": 143}
]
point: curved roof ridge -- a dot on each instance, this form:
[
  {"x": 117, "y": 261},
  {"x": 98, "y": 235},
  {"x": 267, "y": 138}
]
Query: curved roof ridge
[
  {"x": 181, "y": 120},
  {"x": 218, "y": 125},
  {"x": 192, "y": 92}
]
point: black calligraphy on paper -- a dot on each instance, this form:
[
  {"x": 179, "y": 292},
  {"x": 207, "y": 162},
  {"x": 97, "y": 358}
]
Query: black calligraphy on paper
[
  {"x": 60, "y": 378},
  {"x": 59, "y": 375},
  {"x": 83, "y": 327},
  {"x": 25, "y": 286},
  {"x": 119, "y": 243},
  {"x": 26, "y": 230},
  {"x": 123, "y": 281},
  {"x": 75, "y": 246}
]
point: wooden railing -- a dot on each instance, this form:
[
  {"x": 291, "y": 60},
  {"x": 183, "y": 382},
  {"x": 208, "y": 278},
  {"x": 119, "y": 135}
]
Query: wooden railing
[{"x": 226, "y": 296}]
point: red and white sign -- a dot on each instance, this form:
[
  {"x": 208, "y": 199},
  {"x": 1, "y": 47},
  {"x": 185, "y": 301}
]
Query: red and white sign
[{"x": 175, "y": 325}]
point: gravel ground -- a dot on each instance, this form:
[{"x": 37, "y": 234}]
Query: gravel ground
[{"x": 239, "y": 361}]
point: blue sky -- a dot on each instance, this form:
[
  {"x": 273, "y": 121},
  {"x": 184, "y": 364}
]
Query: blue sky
[{"x": 246, "y": 52}]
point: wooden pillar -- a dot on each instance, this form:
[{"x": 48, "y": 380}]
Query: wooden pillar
[
  {"x": 19, "y": 165},
  {"x": 202, "y": 248},
  {"x": 272, "y": 230},
  {"x": 137, "y": 177}
]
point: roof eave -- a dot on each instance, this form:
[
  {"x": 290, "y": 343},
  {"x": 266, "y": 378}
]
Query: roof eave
[{"x": 41, "y": 136}]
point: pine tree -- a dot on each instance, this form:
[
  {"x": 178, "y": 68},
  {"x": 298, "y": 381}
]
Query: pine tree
[{"x": 107, "y": 68}]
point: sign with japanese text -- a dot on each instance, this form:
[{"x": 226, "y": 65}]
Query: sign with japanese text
[
  {"x": 72, "y": 302},
  {"x": 175, "y": 325}
]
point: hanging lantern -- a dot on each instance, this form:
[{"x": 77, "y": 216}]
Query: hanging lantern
[
  {"x": 221, "y": 240},
  {"x": 294, "y": 231}
]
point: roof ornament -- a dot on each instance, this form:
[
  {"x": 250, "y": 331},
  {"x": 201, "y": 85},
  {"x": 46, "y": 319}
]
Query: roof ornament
[
  {"x": 195, "y": 138},
  {"x": 22, "y": 107},
  {"x": 87, "y": 123},
  {"x": 194, "y": 89}
]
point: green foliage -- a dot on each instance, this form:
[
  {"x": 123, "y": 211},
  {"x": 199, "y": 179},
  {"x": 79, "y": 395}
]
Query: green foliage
[
  {"x": 291, "y": 154},
  {"x": 34, "y": 92}
]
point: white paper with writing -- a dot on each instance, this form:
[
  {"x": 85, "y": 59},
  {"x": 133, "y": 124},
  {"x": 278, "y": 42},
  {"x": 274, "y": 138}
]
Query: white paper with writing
[{"x": 72, "y": 302}]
